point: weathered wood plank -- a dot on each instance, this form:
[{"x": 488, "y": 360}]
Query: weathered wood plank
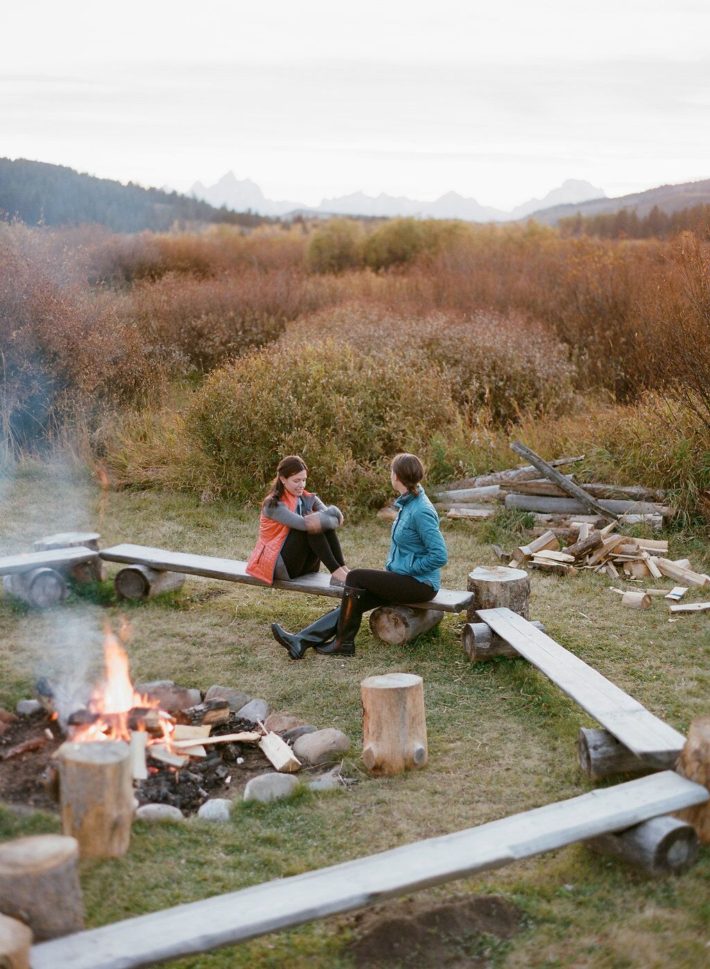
[
  {"x": 51, "y": 558},
  {"x": 283, "y": 903},
  {"x": 570, "y": 506},
  {"x": 625, "y": 718},
  {"x": 234, "y": 570}
]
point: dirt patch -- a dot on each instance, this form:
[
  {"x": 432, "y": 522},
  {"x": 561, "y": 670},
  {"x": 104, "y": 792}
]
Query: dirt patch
[{"x": 464, "y": 932}]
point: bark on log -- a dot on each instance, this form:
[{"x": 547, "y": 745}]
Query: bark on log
[
  {"x": 463, "y": 496},
  {"x": 694, "y": 763},
  {"x": 394, "y": 723},
  {"x": 96, "y": 796},
  {"x": 611, "y": 508},
  {"x": 91, "y": 571},
  {"x": 660, "y": 846},
  {"x": 524, "y": 473},
  {"x": 42, "y": 587},
  {"x": 569, "y": 487},
  {"x": 522, "y": 553},
  {"x": 497, "y": 586},
  {"x": 39, "y": 884},
  {"x": 15, "y": 942},
  {"x": 400, "y": 624},
  {"x": 542, "y": 486},
  {"x": 481, "y": 643},
  {"x": 636, "y": 600},
  {"x": 583, "y": 547},
  {"x": 602, "y": 755},
  {"x": 139, "y": 582}
]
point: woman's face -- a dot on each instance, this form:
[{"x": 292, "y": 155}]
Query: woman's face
[{"x": 295, "y": 483}]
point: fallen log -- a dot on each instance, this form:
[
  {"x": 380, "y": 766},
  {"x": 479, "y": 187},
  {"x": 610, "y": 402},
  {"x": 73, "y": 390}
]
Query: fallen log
[
  {"x": 523, "y": 473},
  {"x": 590, "y": 504},
  {"x": 680, "y": 574},
  {"x": 394, "y": 723},
  {"x": 611, "y": 508},
  {"x": 472, "y": 514},
  {"x": 543, "y": 486},
  {"x": 400, "y": 624},
  {"x": 39, "y": 884},
  {"x": 660, "y": 846},
  {"x": 464, "y": 495}
]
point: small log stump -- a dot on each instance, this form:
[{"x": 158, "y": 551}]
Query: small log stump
[
  {"x": 96, "y": 796},
  {"x": 15, "y": 942},
  {"x": 694, "y": 763},
  {"x": 39, "y": 884},
  {"x": 400, "y": 624},
  {"x": 481, "y": 643},
  {"x": 497, "y": 586},
  {"x": 42, "y": 587},
  {"x": 394, "y": 723},
  {"x": 660, "y": 846},
  {"x": 602, "y": 755},
  {"x": 138, "y": 582}
]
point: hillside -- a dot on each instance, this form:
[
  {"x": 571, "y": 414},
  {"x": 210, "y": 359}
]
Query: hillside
[
  {"x": 38, "y": 193},
  {"x": 667, "y": 198}
]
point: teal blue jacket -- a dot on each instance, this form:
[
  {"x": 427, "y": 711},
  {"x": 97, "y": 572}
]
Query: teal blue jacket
[{"x": 418, "y": 548}]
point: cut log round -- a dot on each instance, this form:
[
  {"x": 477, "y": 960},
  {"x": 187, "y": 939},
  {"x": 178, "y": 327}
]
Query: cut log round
[
  {"x": 15, "y": 942},
  {"x": 139, "y": 582},
  {"x": 96, "y": 796},
  {"x": 660, "y": 846},
  {"x": 602, "y": 755},
  {"x": 394, "y": 723},
  {"x": 694, "y": 763},
  {"x": 481, "y": 643},
  {"x": 400, "y": 624},
  {"x": 39, "y": 884},
  {"x": 636, "y": 600},
  {"x": 42, "y": 587},
  {"x": 496, "y": 586}
]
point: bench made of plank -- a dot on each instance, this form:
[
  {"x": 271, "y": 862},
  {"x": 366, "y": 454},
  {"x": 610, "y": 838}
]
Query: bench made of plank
[
  {"x": 643, "y": 733},
  {"x": 234, "y": 570},
  {"x": 286, "y": 902},
  {"x": 52, "y": 558}
]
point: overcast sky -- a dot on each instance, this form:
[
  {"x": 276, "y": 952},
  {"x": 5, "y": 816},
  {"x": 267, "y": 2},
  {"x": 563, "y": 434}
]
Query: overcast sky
[{"x": 500, "y": 101}]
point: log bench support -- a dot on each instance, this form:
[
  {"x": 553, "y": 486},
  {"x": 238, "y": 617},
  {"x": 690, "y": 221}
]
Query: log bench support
[
  {"x": 397, "y": 625},
  {"x": 661, "y": 846},
  {"x": 140, "y": 582},
  {"x": 39, "y": 578}
]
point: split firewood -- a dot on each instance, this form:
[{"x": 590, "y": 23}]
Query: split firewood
[
  {"x": 681, "y": 563},
  {"x": 636, "y": 600},
  {"x": 548, "y": 540},
  {"x": 636, "y": 570},
  {"x": 677, "y": 593},
  {"x": 278, "y": 752},
  {"x": 550, "y": 555},
  {"x": 559, "y": 568},
  {"x": 501, "y": 554},
  {"x": 161, "y": 753},
  {"x": 244, "y": 737},
  {"x": 139, "y": 741},
  {"x": 185, "y": 731},
  {"x": 656, "y": 592},
  {"x": 473, "y": 514},
  {"x": 611, "y": 570},
  {"x": 210, "y": 712},
  {"x": 654, "y": 545},
  {"x": 585, "y": 530},
  {"x": 674, "y": 571},
  {"x": 583, "y": 546},
  {"x": 651, "y": 563},
  {"x": 691, "y": 607},
  {"x": 605, "y": 549}
]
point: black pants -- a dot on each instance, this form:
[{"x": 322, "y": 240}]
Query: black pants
[
  {"x": 302, "y": 552},
  {"x": 380, "y": 587}
]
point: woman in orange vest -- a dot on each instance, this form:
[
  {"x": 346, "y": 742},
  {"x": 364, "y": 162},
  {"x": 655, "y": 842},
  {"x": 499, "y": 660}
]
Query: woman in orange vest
[{"x": 296, "y": 530}]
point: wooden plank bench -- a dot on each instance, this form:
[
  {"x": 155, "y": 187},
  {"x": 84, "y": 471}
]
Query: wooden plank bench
[
  {"x": 39, "y": 578},
  {"x": 234, "y": 570},
  {"x": 286, "y": 902},
  {"x": 652, "y": 740},
  {"x": 51, "y": 558}
]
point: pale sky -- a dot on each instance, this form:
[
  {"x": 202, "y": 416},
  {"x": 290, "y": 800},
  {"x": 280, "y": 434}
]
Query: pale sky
[{"x": 500, "y": 101}]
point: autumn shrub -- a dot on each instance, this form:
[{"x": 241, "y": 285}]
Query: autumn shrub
[
  {"x": 347, "y": 412},
  {"x": 502, "y": 366},
  {"x": 335, "y": 246}
]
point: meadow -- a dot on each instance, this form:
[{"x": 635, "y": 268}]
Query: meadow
[{"x": 150, "y": 381}]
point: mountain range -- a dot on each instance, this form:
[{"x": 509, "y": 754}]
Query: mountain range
[{"x": 242, "y": 195}]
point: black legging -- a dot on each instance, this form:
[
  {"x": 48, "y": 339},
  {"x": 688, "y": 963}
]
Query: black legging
[
  {"x": 302, "y": 552},
  {"x": 380, "y": 586}
]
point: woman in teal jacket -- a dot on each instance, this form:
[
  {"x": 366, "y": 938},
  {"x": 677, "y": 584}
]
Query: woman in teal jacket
[{"x": 411, "y": 574}]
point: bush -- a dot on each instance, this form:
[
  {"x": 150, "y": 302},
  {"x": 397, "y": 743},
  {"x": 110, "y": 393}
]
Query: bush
[
  {"x": 335, "y": 247},
  {"x": 346, "y": 412},
  {"x": 498, "y": 366}
]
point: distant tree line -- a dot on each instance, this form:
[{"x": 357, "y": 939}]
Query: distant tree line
[
  {"x": 627, "y": 224},
  {"x": 40, "y": 194}
]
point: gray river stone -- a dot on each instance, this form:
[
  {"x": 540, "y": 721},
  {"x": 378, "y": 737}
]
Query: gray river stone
[{"x": 270, "y": 787}]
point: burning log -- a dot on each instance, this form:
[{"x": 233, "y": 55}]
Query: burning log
[
  {"x": 39, "y": 884},
  {"x": 211, "y": 712},
  {"x": 394, "y": 723},
  {"x": 139, "y": 742},
  {"x": 15, "y": 942},
  {"x": 96, "y": 796},
  {"x": 41, "y": 588},
  {"x": 497, "y": 586}
]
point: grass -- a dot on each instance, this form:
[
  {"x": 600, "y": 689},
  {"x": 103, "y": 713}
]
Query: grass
[{"x": 501, "y": 736}]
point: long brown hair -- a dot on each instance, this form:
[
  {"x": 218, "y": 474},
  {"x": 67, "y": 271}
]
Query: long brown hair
[
  {"x": 409, "y": 469},
  {"x": 291, "y": 464}
]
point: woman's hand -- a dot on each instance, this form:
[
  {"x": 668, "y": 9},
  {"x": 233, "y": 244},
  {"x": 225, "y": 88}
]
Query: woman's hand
[{"x": 313, "y": 523}]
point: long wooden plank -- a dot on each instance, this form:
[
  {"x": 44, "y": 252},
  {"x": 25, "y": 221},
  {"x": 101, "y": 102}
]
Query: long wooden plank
[
  {"x": 27, "y": 561},
  {"x": 638, "y": 729},
  {"x": 611, "y": 507},
  {"x": 283, "y": 903},
  {"x": 234, "y": 570}
]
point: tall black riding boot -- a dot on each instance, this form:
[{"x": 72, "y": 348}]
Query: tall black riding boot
[
  {"x": 318, "y": 633},
  {"x": 348, "y": 625}
]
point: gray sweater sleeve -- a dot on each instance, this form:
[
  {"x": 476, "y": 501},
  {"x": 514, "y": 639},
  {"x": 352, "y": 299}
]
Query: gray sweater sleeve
[{"x": 329, "y": 517}]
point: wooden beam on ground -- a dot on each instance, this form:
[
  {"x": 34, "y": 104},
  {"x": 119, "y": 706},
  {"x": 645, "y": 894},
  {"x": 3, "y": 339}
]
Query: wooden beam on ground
[
  {"x": 286, "y": 902},
  {"x": 568, "y": 486},
  {"x": 233, "y": 570},
  {"x": 638, "y": 729},
  {"x": 611, "y": 507}
]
